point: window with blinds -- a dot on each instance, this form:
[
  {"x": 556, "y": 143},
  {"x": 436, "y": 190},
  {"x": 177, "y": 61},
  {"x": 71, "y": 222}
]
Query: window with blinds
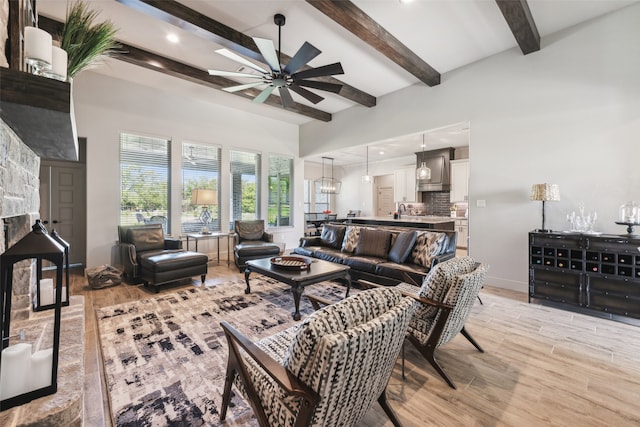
[
  {"x": 280, "y": 190},
  {"x": 245, "y": 185},
  {"x": 200, "y": 187},
  {"x": 307, "y": 196},
  {"x": 145, "y": 164}
]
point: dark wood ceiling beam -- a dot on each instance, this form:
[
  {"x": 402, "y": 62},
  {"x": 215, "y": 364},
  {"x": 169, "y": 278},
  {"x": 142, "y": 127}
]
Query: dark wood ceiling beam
[
  {"x": 365, "y": 28},
  {"x": 189, "y": 20},
  {"x": 161, "y": 64},
  {"x": 520, "y": 21}
]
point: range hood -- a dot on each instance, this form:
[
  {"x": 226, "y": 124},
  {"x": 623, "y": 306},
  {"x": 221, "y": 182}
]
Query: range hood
[{"x": 438, "y": 162}]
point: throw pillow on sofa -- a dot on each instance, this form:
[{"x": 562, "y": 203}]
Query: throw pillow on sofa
[
  {"x": 351, "y": 237},
  {"x": 428, "y": 245},
  {"x": 373, "y": 243},
  {"x": 332, "y": 235},
  {"x": 402, "y": 247}
]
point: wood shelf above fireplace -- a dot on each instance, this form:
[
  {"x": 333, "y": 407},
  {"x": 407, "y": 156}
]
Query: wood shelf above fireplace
[{"x": 40, "y": 112}]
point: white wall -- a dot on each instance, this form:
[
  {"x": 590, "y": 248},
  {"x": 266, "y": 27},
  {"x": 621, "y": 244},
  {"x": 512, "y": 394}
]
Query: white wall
[
  {"x": 105, "y": 107},
  {"x": 568, "y": 114}
]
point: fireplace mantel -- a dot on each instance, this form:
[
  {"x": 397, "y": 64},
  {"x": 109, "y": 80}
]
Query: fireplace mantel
[{"x": 40, "y": 112}]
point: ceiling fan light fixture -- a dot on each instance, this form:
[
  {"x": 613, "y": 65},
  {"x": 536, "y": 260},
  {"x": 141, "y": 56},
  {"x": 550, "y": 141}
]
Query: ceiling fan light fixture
[{"x": 292, "y": 76}]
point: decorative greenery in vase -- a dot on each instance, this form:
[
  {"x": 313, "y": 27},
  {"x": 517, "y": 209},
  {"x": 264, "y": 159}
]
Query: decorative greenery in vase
[{"x": 86, "y": 42}]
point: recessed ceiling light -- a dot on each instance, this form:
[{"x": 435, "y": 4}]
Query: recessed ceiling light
[
  {"x": 173, "y": 38},
  {"x": 381, "y": 153}
]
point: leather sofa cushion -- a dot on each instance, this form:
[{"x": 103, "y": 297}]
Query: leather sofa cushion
[
  {"x": 410, "y": 273},
  {"x": 250, "y": 230},
  {"x": 331, "y": 255},
  {"x": 252, "y": 248},
  {"x": 365, "y": 264},
  {"x": 374, "y": 243},
  {"x": 146, "y": 239},
  {"x": 305, "y": 250},
  {"x": 402, "y": 246},
  {"x": 332, "y": 235}
]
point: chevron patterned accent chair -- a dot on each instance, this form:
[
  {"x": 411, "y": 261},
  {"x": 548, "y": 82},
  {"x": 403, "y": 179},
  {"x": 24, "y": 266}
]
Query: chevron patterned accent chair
[
  {"x": 444, "y": 304},
  {"x": 326, "y": 371}
]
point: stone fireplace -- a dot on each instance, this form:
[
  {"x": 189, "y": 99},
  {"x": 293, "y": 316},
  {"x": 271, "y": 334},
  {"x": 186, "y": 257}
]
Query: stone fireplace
[
  {"x": 19, "y": 209},
  {"x": 19, "y": 206}
]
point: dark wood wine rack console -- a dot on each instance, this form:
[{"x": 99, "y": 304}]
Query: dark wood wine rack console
[{"x": 594, "y": 274}]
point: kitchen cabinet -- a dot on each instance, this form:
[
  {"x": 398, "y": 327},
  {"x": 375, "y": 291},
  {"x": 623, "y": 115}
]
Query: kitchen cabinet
[
  {"x": 459, "y": 181},
  {"x": 462, "y": 227},
  {"x": 404, "y": 185}
]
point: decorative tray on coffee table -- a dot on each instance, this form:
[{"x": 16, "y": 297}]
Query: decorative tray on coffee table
[{"x": 291, "y": 263}]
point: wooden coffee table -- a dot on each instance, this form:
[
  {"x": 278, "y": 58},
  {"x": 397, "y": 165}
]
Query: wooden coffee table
[{"x": 319, "y": 271}]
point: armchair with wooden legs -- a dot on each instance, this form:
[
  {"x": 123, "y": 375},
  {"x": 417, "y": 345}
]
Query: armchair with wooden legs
[
  {"x": 444, "y": 301},
  {"x": 326, "y": 371}
]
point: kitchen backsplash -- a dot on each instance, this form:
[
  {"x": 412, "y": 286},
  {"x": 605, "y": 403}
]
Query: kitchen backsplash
[{"x": 437, "y": 203}]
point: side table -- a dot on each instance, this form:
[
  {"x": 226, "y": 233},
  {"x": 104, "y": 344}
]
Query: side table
[{"x": 198, "y": 236}]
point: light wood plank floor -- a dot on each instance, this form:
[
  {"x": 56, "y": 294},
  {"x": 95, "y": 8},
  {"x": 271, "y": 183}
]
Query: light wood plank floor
[{"x": 541, "y": 366}]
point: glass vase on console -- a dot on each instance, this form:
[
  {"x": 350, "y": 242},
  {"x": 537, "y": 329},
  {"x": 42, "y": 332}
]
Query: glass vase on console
[{"x": 582, "y": 222}]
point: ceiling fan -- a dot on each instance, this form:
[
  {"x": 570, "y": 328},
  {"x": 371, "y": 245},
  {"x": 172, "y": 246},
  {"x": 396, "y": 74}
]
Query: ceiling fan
[{"x": 282, "y": 78}]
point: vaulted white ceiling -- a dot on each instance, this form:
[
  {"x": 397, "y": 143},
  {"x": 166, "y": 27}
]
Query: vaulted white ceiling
[{"x": 446, "y": 34}]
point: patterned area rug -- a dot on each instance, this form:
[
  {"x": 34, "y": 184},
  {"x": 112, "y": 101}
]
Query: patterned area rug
[{"x": 165, "y": 357}]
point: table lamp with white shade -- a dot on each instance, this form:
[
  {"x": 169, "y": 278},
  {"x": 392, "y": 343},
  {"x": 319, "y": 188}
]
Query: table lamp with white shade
[
  {"x": 204, "y": 198},
  {"x": 545, "y": 193}
]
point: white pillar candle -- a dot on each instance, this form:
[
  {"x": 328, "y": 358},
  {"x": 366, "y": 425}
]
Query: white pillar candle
[
  {"x": 41, "y": 365},
  {"x": 64, "y": 294},
  {"x": 46, "y": 292},
  {"x": 15, "y": 370},
  {"x": 37, "y": 45},
  {"x": 58, "y": 63}
]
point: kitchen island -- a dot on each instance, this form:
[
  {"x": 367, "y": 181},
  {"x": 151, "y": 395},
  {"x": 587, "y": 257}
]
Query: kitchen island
[{"x": 429, "y": 221}]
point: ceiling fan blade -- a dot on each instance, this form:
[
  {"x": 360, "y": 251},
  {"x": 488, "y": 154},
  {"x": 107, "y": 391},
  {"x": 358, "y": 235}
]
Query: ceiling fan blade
[
  {"x": 305, "y": 54},
  {"x": 325, "y": 70},
  {"x": 285, "y": 97},
  {"x": 306, "y": 94},
  {"x": 231, "y": 55},
  {"x": 264, "y": 94},
  {"x": 242, "y": 87},
  {"x": 222, "y": 73},
  {"x": 268, "y": 52},
  {"x": 329, "y": 87}
]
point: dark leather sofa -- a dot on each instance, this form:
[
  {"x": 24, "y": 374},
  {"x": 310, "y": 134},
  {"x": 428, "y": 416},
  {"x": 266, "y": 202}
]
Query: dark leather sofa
[
  {"x": 149, "y": 257},
  {"x": 382, "y": 254}
]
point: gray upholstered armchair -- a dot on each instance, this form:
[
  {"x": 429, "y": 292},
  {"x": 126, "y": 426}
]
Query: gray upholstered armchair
[
  {"x": 328, "y": 370},
  {"x": 445, "y": 299},
  {"x": 252, "y": 242}
]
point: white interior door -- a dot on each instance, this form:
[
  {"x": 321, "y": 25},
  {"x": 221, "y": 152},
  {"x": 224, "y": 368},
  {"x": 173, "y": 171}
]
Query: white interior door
[{"x": 385, "y": 203}]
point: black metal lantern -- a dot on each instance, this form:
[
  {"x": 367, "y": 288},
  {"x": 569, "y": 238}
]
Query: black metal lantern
[
  {"x": 65, "y": 286},
  {"x": 29, "y": 361}
]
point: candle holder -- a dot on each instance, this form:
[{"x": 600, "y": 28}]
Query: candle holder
[
  {"x": 29, "y": 361},
  {"x": 38, "y": 49}
]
